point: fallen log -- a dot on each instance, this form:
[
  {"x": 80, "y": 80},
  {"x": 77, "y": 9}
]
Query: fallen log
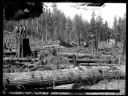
[
  {"x": 10, "y": 53},
  {"x": 97, "y": 64},
  {"x": 71, "y": 54},
  {"x": 90, "y": 60},
  {"x": 83, "y": 55},
  {"x": 14, "y": 59},
  {"x": 64, "y": 44},
  {"x": 59, "y": 77}
]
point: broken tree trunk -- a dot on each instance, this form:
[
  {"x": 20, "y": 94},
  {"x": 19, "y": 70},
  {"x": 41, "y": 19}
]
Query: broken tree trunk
[
  {"x": 26, "y": 47},
  {"x": 23, "y": 46},
  {"x": 64, "y": 44},
  {"x": 58, "y": 77},
  {"x": 124, "y": 47}
]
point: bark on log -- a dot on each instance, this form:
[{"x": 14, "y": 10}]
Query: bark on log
[
  {"x": 71, "y": 54},
  {"x": 9, "y": 53},
  {"x": 17, "y": 59},
  {"x": 97, "y": 64},
  {"x": 59, "y": 77},
  {"x": 83, "y": 55},
  {"x": 90, "y": 60},
  {"x": 64, "y": 44}
]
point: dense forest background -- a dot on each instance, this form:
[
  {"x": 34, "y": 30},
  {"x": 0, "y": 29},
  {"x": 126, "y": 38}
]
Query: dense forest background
[{"x": 52, "y": 25}]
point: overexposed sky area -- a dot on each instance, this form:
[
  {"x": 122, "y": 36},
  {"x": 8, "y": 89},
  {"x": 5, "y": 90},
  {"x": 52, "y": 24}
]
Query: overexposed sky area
[{"x": 107, "y": 12}]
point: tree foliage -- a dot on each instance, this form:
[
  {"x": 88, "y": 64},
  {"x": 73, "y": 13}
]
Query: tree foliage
[{"x": 52, "y": 25}]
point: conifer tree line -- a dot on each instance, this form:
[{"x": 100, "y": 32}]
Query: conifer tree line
[{"x": 52, "y": 25}]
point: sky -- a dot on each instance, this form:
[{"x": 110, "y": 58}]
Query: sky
[{"x": 107, "y": 12}]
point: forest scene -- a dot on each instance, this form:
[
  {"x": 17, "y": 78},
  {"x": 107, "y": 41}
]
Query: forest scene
[{"x": 54, "y": 50}]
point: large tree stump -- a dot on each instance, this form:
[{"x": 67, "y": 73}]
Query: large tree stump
[
  {"x": 23, "y": 46},
  {"x": 26, "y": 47}
]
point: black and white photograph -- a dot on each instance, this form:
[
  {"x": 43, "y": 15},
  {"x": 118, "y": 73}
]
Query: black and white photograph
[{"x": 64, "y": 48}]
